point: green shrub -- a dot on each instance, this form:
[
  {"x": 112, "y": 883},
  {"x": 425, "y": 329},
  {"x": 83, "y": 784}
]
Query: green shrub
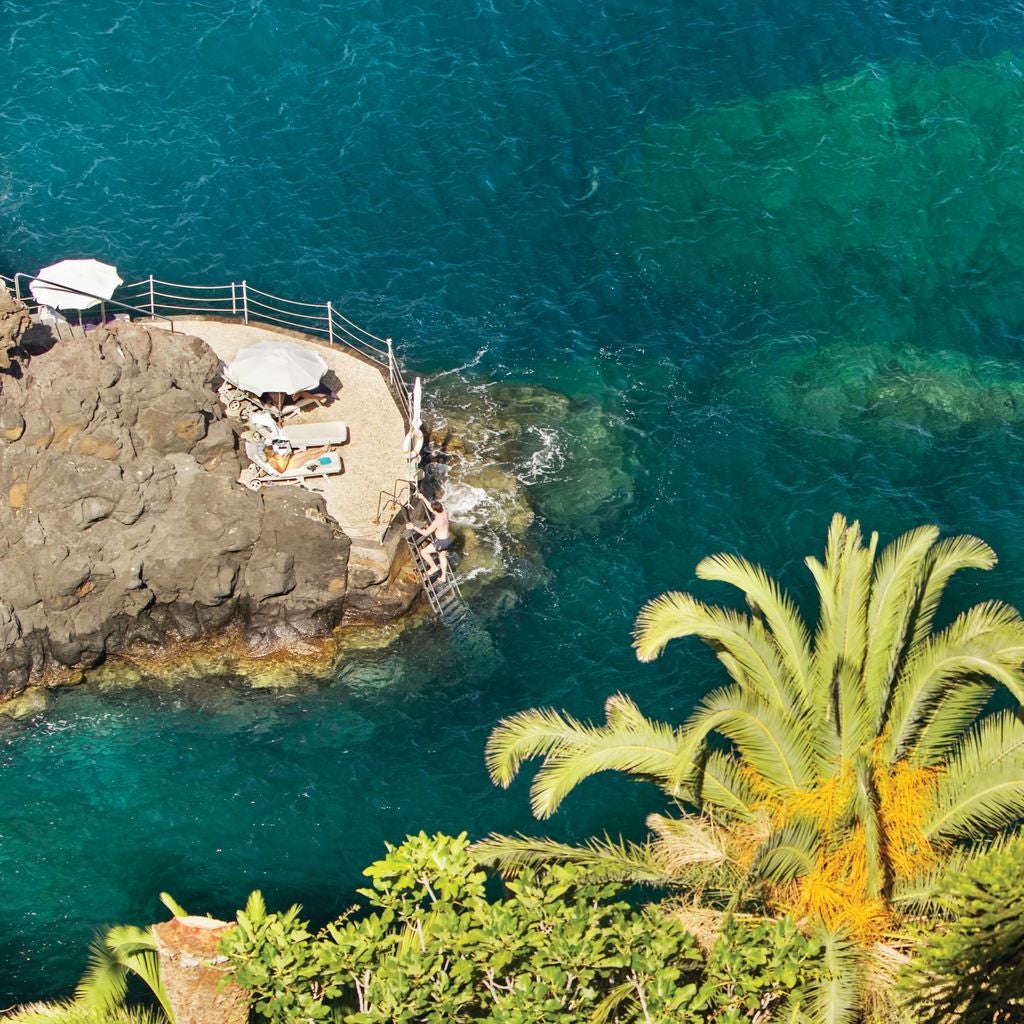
[{"x": 431, "y": 946}]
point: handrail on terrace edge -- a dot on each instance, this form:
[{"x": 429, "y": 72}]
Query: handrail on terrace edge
[{"x": 239, "y": 299}]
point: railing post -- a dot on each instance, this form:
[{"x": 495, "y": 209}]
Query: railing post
[
  {"x": 245, "y": 303},
  {"x": 17, "y": 287},
  {"x": 330, "y": 323},
  {"x": 152, "y": 304},
  {"x": 234, "y": 302},
  {"x": 391, "y": 361}
]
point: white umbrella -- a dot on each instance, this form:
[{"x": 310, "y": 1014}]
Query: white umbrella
[
  {"x": 284, "y": 367},
  {"x": 74, "y": 284}
]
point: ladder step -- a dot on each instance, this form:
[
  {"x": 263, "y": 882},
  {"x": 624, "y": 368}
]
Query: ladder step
[{"x": 445, "y": 598}]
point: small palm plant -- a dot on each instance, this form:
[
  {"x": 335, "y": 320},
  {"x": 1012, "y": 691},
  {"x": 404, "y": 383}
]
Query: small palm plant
[
  {"x": 122, "y": 951},
  {"x": 834, "y": 774}
]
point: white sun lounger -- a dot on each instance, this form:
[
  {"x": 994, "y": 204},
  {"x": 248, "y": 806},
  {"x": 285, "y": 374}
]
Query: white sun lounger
[
  {"x": 262, "y": 474},
  {"x": 300, "y": 435},
  {"x": 312, "y": 435}
]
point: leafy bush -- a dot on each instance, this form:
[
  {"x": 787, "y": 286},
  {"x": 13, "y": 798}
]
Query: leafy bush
[{"x": 555, "y": 947}]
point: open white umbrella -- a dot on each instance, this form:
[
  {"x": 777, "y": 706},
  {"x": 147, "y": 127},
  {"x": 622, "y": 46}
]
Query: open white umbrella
[
  {"x": 282, "y": 367},
  {"x": 74, "y": 284}
]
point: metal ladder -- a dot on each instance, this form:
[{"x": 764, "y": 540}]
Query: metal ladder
[{"x": 445, "y": 598}]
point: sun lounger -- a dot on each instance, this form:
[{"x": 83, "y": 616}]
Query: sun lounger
[
  {"x": 299, "y": 435},
  {"x": 313, "y": 398},
  {"x": 301, "y": 470},
  {"x": 312, "y": 435}
]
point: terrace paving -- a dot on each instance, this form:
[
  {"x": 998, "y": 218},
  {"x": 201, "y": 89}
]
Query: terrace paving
[{"x": 373, "y": 459}]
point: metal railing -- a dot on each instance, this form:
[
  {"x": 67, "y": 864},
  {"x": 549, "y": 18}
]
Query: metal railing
[
  {"x": 165, "y": 300},
  {"x": 30, "y": 301}
]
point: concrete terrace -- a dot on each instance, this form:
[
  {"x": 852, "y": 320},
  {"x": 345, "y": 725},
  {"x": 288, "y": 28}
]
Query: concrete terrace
[{"x": 373, "y": 459}]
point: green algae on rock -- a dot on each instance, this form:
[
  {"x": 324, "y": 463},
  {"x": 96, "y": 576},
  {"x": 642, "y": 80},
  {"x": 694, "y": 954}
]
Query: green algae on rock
[
  {"x": 529, "y": 448},
  {"x": 884, "y": 391},
  {"x": 877, "y": 204}
]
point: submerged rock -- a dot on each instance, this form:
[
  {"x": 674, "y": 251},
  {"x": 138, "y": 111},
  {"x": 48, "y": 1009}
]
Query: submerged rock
[
  {"x": 526, "y": 449},
  {"x": 878, "y": 390},
  {"x": 121, "y": 522}
]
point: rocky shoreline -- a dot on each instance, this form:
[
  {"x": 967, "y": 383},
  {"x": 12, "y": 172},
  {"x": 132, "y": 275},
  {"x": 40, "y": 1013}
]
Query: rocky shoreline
[{"x": 121, "y": 524}]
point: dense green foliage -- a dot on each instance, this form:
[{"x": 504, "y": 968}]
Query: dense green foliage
[
  {"x": 972, "y": 971},
  {"x": 431, "y": 946}
]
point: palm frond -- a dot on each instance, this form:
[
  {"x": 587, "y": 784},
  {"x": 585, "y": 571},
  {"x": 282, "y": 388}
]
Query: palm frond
[
  {"x": 573, "y": 751},
  {"x": 603, "y": 859},
  {"x": 853, "y": 720},
  {"x": 534, "y": 732},
  {"x": 68, "y": 1012},
  {"x": 173, "y": 905},
  {"x": 853, "y": 597},
  {"x": 687, "y": 842},
  {"x": 123, "y": 949},
  {"x": 835, "y": 995},
  {"x": 866, "y": 810},
  {"x": 774, "y": 747},
  {"x": 788, "y": 853},
  {"x": 925, "y": 892},
  {"x": 832, "y": 579},
  {"x": 982, "y": 789},
  {"x": 743, "y": 646},
  {"x": 896, "y": 585},
  {"x": 985, "y": 642},
  {"x": 723, "y": 787},
  {"x": 955, "y": 710},
  {"x": 767, "y": 598},
  {"x": 948, "y": 557}
]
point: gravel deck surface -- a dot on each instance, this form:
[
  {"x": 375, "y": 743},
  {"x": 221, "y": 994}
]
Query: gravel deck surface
[{"x": 373, "y": 459}]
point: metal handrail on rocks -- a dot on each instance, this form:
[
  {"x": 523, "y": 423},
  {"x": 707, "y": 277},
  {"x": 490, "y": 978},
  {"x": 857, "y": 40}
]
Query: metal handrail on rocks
[
  {"x": 165, "y": 300},
  {"x": 14, "y": 285}
]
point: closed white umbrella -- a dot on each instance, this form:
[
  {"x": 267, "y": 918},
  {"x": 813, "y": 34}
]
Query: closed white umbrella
[
  {"x": 74, "y": 284},
  {"x": 282, "y": 367},
  {"x": 417, "y": 401}
]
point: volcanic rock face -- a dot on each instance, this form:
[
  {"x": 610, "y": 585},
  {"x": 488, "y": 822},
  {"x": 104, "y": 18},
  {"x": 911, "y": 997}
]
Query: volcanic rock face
[{"x": 120, "y": 518}]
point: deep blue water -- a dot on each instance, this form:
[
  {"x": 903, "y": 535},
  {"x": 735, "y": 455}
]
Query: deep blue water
[{"x": 768, "y": 249}]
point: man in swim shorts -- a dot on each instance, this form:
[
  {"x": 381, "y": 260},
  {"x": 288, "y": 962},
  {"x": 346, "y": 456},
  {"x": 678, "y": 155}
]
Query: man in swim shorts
[{"x": 440, "y": 530}]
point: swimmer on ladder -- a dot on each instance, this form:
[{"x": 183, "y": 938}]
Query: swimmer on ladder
[{"x": 440, "y": 530}]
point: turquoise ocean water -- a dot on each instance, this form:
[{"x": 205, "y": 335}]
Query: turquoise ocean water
[{"x": 770, "y": 252}]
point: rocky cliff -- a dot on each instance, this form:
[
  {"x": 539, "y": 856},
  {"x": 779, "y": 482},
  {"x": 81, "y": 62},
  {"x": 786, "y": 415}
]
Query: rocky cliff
[{"x": 120, "y": 519}]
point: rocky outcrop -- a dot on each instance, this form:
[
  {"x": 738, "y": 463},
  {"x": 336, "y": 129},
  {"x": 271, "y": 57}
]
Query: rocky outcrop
[
  {"x": 120, "y": 519},
  {"x": 13, "y": 324}
]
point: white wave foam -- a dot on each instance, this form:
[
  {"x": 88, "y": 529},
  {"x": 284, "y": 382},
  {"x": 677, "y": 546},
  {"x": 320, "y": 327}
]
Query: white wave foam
[{"x": 546, "y": 461}]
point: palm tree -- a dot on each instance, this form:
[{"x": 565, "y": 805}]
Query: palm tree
[
  {"x": 834, "y": 774},
  {"x": 124, "y": 950}
]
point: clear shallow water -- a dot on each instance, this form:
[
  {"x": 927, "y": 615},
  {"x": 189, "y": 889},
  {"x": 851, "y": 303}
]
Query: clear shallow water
[{"x": 593, "y": 199}]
